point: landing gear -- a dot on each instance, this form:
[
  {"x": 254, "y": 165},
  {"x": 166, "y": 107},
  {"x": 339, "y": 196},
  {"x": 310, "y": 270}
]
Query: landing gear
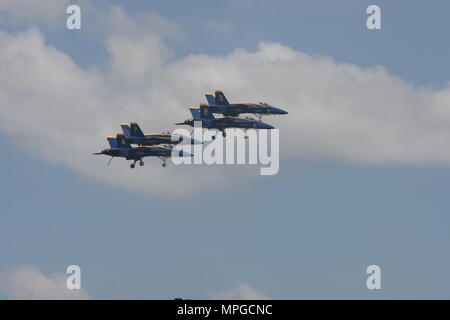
[
  {"x": 164, "y": 161},
  {"x": 141, "y": 163},
  {"x": 133, "y": 165},
  {"x": 217, "y": 132},
  {"x": 223, "y": 134}
]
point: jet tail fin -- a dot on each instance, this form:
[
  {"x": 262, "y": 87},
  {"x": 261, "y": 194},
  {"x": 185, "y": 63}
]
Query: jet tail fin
[
  {"x": 210, "y": 98},
  {"x": 195, "y": 112},
  {"x": 122, "y": 141},
  {"x": 205, "y": 112},
  {"x": 112, "y": 142},
  {"x": 135, "y": 130},
  {"x": 125, "y": 129},
  {"x": 220, "y": 98}
]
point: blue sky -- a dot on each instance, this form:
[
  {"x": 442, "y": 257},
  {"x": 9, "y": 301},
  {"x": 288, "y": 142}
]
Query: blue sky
[
  {"x": 308, "y": 232},
  {"x": 413, "y": 43}
]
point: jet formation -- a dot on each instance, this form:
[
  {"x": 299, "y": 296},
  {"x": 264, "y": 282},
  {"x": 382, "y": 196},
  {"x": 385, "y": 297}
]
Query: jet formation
[
  {"x": 230, "y": 112},
  {"x": 161, "y": 145},
  {"x": 148, "y": 145}
]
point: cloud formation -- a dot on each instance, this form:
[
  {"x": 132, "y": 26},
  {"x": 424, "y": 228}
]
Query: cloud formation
[
  {"x": 242, "y": 291},
  {"x": 29, "y": 283},
  {"x": 42, "y": 12},
  {"x": 60, "y": 111}
]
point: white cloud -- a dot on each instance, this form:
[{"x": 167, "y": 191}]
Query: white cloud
[
  {"x": 133, "y": 59},
  {"x": 62, "y": 112},
  {"x": 29, "y": 283},
  {"x": 163, "y": 26},
  {"x": 114, "y": 20},
  {"x": 241, "y": 292},
  {"x": 45, "y": 12}
]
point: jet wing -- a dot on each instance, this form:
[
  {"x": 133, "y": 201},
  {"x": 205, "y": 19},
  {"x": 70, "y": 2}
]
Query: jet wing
[{"x": 223, "y": 122}]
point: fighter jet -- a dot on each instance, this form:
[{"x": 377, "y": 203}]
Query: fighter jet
[
  {"x": 208, "y": 121},
  {"x": 220, "y": 104},
  {"x": 134, "y": 135},
  {"x": 120, "y": 147}
]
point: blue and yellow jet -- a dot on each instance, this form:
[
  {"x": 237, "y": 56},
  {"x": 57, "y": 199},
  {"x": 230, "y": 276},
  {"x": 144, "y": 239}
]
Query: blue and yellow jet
[
  {"x": 220, "y": 104},
  {"x": 121, "y": 148},
  {"x": 134, "y": 135},
  {"x": 208, "y": 121}
]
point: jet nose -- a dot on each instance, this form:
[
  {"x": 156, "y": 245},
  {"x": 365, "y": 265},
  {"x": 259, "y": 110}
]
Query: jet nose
[
  {"x": 193, "y": 141},
  {"x": 188, "y": 140},
  {"x": 184, "y": 154},
  {"x": 265, "y": 126},
  {"x": 279, "y": 111}
]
